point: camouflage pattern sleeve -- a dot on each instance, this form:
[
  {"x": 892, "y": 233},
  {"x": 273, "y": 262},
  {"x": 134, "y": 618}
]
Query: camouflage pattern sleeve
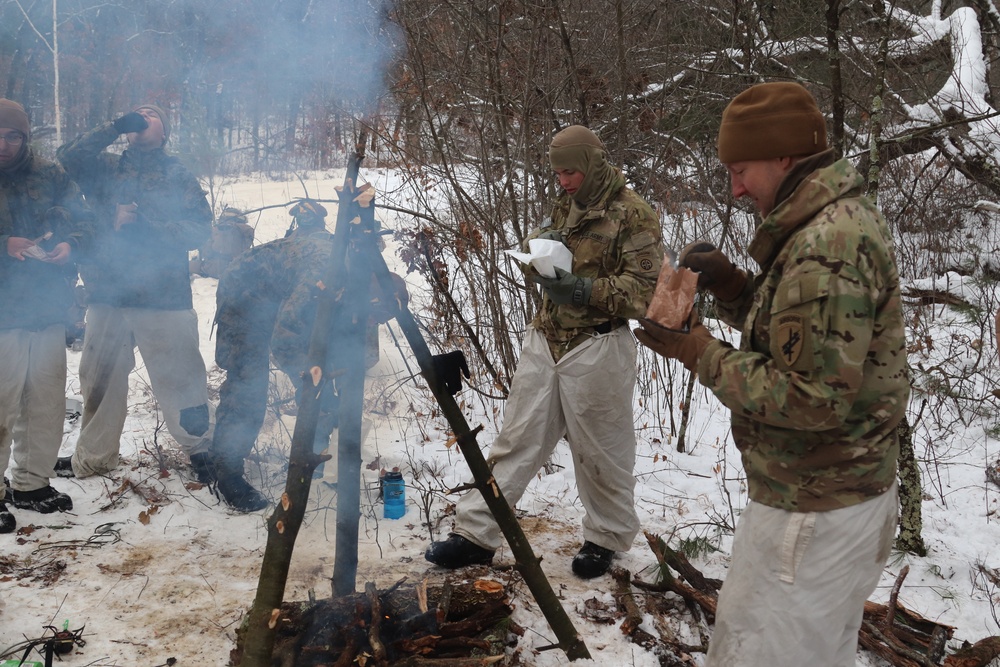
[
  {"x": 247, "y": 299},
  {"x": 810, "y": 376},
  {"x": 88, "y": 163},
  {"x": 628, "y": 288}
]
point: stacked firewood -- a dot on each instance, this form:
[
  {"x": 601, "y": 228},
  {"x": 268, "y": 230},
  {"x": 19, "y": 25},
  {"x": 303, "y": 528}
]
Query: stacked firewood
[{"x": 464, "y": 625}]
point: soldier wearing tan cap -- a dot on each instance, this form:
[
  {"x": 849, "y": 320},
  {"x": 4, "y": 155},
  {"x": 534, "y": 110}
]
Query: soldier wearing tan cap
[
  {"x": 816, "y": 388},
  {"x": 44, "y": 225},
  {"x": 151, "y": 211}
]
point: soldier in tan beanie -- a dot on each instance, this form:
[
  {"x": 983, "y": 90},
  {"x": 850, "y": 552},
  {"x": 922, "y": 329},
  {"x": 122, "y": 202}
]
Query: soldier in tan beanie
[
  {"x": 15, "y": 133},
  {"x": 816, "y": 388},
  {"x": 576, "y": 373},
  {"x": 152, "y": 212},
  {"x": 44, "y": 226}
]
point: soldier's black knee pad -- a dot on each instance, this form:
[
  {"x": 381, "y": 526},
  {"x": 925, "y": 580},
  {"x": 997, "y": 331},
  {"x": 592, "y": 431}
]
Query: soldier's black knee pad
[{"x": 195, "y": 420}]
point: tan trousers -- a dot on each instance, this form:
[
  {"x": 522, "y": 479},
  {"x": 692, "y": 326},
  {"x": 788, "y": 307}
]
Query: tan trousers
[
  {"x": 32, "y": 403},
  {"x": 587, "y": 397},
  {"x": 797, "y": 584},
  {"x": 168, "y": 343}
]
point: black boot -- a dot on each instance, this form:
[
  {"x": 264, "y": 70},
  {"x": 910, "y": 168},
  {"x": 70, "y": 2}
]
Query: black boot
[
  {"x": 457, "y": 552},
  {"x": 45, "y": 500},
  {"x": 7, "y": 521},
  {"x": 592, "y": 561},
  {"x": 204, "y": 467},
  {"x": 64, "y": 467},
  {"x": 239, "y": 495}
]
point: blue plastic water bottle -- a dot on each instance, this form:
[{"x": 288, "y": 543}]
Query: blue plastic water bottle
[{"x": 394, "y": 495}]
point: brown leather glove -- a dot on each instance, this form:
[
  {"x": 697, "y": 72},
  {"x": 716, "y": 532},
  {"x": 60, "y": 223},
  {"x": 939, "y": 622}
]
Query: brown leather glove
[
  {"x": 716, "y": 272},
  {"x": 687, "y": 348}
]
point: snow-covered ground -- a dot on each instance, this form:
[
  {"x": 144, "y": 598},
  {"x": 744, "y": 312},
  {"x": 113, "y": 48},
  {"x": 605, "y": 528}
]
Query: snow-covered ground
[{"x": 155, "y": 567}]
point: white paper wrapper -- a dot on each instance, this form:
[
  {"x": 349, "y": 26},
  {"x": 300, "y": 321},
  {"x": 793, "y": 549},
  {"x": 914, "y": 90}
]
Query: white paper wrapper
[
  {"x": 545, "y": 256},
  {"x": 35, "y": 252}
]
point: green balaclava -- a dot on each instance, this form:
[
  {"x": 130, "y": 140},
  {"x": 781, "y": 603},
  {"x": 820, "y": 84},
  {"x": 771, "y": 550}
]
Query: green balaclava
[{"x": 578, "y": 148}]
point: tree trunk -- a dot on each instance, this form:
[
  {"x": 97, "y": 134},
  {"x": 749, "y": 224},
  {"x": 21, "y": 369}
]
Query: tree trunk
[
  {"x": 836, "y": 78},
  {"x": 873, "y": 172},
  {"x": 911, "y": 493}
]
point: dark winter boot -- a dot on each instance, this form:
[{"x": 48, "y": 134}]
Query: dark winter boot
[
  {"x": 7, "y": 521},
  {"x": 239, "y": 495},
  {"x": 64, "y": 467},
  {"x": 592, "y": 561},
  {"x": 45, "y": 500},
  {"x": 457, "y": 552},
  {"x": 204, "y": 467}
]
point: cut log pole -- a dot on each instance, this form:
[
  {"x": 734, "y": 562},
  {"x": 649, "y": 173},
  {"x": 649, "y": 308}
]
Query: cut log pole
[{"x": 284, "y": 523}]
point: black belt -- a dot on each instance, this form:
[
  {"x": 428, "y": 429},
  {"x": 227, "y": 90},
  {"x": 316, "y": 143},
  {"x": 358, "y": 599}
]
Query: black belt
[{"x": 607, "y": 327}]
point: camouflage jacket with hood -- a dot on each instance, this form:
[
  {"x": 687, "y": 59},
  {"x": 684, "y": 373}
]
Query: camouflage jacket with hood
[
  {"x": 145, "y": 263},
  {"x": 38, "y": 197},
  {"x": 820, "y": 380},
  {"x": 617, "y": 243}
]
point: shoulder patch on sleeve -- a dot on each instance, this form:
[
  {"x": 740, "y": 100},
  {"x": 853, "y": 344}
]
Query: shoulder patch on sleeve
[{"x": 791, "y": 335}]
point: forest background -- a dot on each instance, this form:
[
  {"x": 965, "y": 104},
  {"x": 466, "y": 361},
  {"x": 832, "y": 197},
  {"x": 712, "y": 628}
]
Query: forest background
[{"x": 461, "y": 99}]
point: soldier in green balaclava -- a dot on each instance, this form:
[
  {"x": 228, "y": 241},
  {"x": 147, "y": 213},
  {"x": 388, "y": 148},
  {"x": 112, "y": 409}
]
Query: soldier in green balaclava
[{"x": 576, "y": 373}]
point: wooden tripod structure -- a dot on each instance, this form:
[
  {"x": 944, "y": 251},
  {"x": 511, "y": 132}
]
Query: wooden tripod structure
[{"x": 342, "y": 318}]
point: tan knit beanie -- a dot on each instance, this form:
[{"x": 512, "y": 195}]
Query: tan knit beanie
[
  {"x": 162, "y": 115},
  {"x": 771, "y": 120},
  {"x": 12, "y": 115}
]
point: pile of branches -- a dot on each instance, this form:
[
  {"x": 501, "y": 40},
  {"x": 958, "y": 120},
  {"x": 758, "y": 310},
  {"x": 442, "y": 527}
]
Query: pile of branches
[{"x": 466, "y": 625}]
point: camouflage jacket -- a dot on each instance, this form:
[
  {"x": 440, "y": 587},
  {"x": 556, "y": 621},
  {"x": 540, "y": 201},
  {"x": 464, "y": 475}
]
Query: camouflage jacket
[
  {"x": 145, "y": 263},
  {"x": 820, "y": 380},
  {"x": 267, "y": 296},
  {"x": 38, "y": 198},
  {"x": 617, "y": 243}
]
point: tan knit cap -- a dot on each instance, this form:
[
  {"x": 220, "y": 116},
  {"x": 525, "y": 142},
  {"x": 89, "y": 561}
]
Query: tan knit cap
[
  {"x": 771, "y": 120},
  {"x": 12, "y": 115},
  {"x": 161, "y": 114}
]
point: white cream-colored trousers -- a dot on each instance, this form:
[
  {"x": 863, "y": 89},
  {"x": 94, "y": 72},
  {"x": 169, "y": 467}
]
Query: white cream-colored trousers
[
  {"x": 168, "y": 343},
  {"x": 797, "y": 584},
  {"x": 587, "y": 397},
  {"x": 32, "y": 403}
]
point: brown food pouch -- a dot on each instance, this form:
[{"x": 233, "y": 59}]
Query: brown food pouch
[{"x": 673, "y": 297}]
